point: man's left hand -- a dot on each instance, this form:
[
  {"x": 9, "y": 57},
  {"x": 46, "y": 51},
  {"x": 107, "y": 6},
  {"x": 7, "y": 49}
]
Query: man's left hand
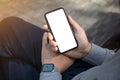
[{"x": 49, "y": 54}]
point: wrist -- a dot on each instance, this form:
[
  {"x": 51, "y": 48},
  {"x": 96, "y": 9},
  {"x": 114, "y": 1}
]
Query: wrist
[
  {"x": 87, "y": 49},
  {"x": 49, "y": 68},
  {"x": 62, "y": 62}
]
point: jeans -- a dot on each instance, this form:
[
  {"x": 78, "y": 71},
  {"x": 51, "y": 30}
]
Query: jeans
[{"x": 20, "y": 52}]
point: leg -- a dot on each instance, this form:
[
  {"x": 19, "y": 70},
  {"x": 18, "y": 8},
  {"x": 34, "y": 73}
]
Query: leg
[
  {"x": 17, "y": 70},
  {"x": 20, "y": 40},
  {"x": 21, "y": 44}
]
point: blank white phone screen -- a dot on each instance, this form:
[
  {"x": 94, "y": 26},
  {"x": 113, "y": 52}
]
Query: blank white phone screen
[{"x": 61, "y": 30}]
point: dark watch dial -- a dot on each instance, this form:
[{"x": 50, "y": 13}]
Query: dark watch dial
[{"x": 47, "y": 67}]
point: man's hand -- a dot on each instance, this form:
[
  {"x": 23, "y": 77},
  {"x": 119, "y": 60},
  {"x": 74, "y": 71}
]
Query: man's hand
[
  {"x": 49, "y": 54},
  {"x": 83, "y": 45}
]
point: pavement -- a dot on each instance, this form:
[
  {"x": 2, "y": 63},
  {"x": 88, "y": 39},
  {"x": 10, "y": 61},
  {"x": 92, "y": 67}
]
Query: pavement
[{"x": 100, "y": 18}]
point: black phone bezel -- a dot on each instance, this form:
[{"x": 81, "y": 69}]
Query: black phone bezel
[{"x": 69, "y": 25}]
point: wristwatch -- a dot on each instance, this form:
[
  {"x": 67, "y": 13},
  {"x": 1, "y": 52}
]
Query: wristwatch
[
  {"x": 50, "y": 71},
  {"x": 47, "y": 67}
]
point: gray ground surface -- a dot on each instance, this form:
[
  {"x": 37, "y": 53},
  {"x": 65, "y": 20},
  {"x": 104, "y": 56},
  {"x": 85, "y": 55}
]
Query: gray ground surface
[{"x": 100, "y": 18}]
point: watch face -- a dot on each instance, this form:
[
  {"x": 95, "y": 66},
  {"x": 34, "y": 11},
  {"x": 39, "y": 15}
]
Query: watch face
[{"x": 47, "y": 67}]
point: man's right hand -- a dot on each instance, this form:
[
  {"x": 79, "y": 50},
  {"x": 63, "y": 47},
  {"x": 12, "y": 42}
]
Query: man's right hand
[{"x": 83, "y": 45}]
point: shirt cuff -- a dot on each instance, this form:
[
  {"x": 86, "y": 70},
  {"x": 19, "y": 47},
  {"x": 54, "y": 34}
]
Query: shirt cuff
[{"x": 97, "y": 55}]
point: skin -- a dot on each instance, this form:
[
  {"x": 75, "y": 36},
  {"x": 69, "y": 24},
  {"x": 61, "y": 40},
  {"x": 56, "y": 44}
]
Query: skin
[{"x": 64, "y": 61}]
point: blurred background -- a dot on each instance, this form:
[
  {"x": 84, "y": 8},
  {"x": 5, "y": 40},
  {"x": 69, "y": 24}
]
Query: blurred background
[
  {"x": 86, "y": 12},
  {"x": 100, "y": 18}
]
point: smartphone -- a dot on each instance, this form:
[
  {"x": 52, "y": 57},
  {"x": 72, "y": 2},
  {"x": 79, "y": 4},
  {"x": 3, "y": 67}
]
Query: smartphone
[{"x": 61, "y": 30}]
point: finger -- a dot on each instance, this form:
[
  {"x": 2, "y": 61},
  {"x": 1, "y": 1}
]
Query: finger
[
  {"x": 50, "y": 37},
  {"x": 74, "y": 24},
  {"x": 55, "y": 49},
  {"x": 44, "y": 39},
  {"x": 46, "y": 27},
  {"x": 53, "y": 43}
]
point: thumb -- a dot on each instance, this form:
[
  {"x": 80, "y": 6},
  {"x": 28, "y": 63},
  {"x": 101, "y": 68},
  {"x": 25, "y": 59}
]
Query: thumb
[
  {"x": 44, "y": 39},
  {"x": 75, "y": 25}
]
